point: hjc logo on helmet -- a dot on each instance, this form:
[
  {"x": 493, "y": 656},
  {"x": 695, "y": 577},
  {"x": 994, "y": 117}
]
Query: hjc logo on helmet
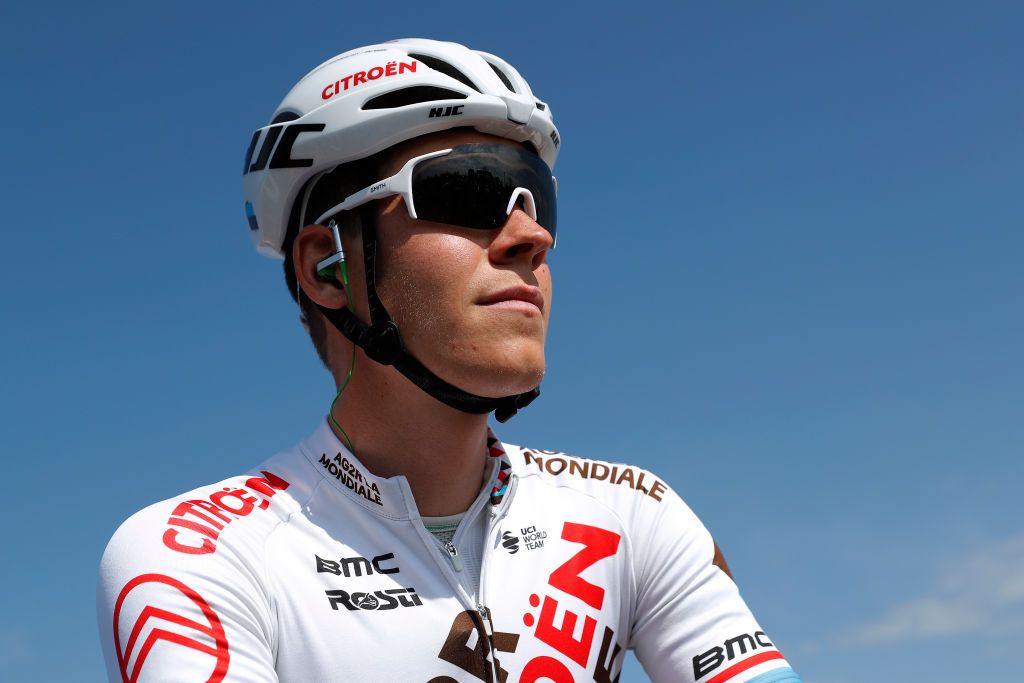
[
  {"x": 283, "y": 155},
  {"x": 452, "y": 110}
]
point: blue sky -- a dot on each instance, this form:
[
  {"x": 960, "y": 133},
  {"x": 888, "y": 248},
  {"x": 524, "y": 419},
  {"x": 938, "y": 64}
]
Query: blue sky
[{"x": 788, "y": 280}]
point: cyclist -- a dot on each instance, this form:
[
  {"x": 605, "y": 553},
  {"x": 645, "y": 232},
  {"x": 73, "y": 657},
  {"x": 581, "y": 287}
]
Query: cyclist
[{"x": 408, "y": 187}]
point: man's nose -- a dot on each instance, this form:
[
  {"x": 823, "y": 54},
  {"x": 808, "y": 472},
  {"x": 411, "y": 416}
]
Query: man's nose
[{"x": 521, "y": 238}]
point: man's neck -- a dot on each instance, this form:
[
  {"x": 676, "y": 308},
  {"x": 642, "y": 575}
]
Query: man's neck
[{"x": 395, "y": 428}]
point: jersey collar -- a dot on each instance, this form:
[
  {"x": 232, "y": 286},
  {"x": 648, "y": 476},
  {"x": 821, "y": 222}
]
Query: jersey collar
[{"x": 389, "y": 496}]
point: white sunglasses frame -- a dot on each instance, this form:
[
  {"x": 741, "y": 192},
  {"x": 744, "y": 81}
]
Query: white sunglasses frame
[{"x": 401, "y": 184}]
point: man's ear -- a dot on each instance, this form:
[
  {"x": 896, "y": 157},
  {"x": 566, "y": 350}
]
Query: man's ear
[{"x": 313, "y": 244}]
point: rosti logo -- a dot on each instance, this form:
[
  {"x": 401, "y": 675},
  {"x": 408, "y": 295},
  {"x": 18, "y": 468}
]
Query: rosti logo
[
  {"x": 706, "y": 662},
  {"x": 223, "y": 507},
  {"x": 379, "y": 601},
  {"x": 348, "y": 474},
  {"x": 360, "y": 77},
  {"x": 149, "y": 626},
  {"x": 556, "y": 463}
]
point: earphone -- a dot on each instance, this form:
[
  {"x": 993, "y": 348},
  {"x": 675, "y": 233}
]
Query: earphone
[{"x": 325, "y": 268}]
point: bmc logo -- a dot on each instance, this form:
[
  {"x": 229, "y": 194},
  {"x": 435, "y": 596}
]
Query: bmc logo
[
  {"x": 347, "y": 566},
  {"x": 279, "y": 140},
  {"x": 708, "y": 661},
  {"x": 375, "y": 601},
  {"x": 451, "y": 110}
]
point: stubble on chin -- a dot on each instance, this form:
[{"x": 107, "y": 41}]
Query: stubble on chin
[{"x": 462, "y": 346}]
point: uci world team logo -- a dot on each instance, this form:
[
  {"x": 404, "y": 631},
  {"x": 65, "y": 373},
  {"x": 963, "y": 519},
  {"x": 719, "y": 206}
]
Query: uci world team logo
[
  {"x": 529, "y": 537},
  {"x": 510, "y": 542}
]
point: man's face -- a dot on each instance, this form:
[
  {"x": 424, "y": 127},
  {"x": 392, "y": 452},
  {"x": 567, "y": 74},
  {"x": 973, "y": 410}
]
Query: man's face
[{"x": 461, "y": 296}]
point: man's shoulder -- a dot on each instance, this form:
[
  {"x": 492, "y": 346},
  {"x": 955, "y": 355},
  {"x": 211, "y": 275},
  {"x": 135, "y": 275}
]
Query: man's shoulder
[
  {"x": 192, "y": 560},
  {"x": 625, "y": 498},
  {"x": 236, "y": 511},
  {"x": 229, "y": 520},
  {"x": 602, "y": 479}
]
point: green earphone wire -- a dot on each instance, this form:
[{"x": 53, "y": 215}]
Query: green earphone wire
[{"x": 351, "y": 367}]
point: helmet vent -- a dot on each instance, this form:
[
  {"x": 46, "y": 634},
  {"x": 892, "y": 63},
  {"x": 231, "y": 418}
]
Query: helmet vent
[
  {"x": 445, "y": 68},
  {"x": 412, "y": 95},
  {"x": 502, "y": 76},
  {"x": 284, "y": 117}
]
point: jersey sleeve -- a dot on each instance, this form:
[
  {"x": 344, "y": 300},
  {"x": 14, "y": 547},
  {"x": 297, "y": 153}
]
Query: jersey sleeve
[
  {"x": 171, "y": 609},
  {"x": 690, "y": 623}
]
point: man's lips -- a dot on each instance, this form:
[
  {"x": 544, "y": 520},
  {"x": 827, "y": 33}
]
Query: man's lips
[{"x": 515, "y": 296}]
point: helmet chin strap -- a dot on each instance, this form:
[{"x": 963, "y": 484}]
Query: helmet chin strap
[{"x": 382, "y": 342}]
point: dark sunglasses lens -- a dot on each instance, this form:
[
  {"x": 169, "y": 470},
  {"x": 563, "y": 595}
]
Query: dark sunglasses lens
[
  {"x": 472, "y": 186},
  {"x": 458, "y": 194}
]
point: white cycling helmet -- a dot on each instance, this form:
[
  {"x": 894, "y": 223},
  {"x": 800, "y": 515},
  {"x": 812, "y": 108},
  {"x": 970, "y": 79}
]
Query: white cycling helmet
[{"x": 371, "y": 98}]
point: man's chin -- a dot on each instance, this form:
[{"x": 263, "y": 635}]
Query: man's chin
[{"x": 499, "y": 377}]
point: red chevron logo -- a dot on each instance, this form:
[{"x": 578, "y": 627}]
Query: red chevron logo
[{"x": 213, "y": 629}]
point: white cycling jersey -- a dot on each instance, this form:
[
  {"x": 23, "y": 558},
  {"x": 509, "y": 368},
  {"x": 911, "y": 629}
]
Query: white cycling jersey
[{"x": 310, "y": 568}]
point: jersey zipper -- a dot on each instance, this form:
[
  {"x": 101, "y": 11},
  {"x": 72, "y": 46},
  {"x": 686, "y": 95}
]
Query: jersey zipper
[
  {"x": 491, "y": 662},
  {"x": 453, "y": 568},
  {"x": 494, "y": 518},
  {"x": 453, "y": 556}
]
